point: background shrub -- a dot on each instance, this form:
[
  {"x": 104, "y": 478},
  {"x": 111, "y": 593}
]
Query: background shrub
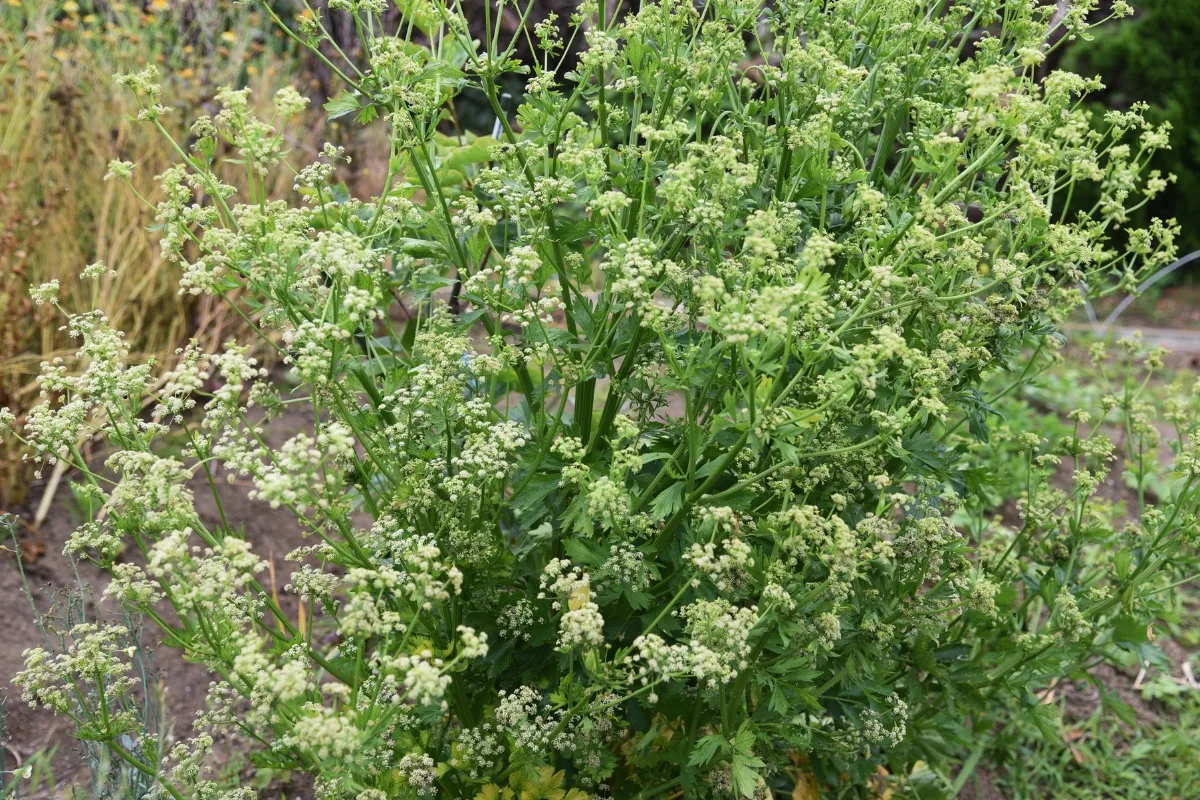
[{"x": 1151, "y": 58}]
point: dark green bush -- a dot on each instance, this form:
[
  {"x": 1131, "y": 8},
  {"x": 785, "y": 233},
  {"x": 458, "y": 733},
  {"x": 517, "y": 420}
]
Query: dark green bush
[{"x": 1154, "y": 57}]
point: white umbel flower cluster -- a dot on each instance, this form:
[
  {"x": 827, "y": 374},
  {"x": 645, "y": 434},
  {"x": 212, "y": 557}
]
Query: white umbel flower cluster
[{"x": 581, "y": 625}]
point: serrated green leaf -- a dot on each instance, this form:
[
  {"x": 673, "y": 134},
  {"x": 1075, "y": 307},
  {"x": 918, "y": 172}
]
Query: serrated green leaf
[
  {"x": 744, "y": 773},
  {"x": 420, "y": 248},
  {"x": 1048, "y": 720},
  {"x": 476, "y": 152},
  {"x": 582, "y": 554},
  {"x": 345, "y": 103},
  {"x": 705, "y": 749},
  {"x": 667, "y": 502}
]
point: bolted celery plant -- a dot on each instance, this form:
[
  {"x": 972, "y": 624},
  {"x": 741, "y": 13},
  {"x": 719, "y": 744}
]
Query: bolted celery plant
[{"x": 639, "y": 454}]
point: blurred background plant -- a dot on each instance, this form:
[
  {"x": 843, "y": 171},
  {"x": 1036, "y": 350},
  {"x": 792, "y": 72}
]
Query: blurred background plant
[
  {"x": 62, "y": 120},
  {"x": 1152, "y": 57}
]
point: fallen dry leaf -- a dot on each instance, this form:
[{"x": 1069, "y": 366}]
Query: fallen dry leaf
[
  {"x": 806, "y": 787},
  {"x": 32, "y": 550}
]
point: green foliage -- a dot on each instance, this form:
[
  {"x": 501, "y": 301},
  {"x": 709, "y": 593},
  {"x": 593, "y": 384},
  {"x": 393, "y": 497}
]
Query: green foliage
[
  {"x": 1110, "y": 753},
  {"x": 654, "y": 442},
  {"x": 1150, "y": 58}
]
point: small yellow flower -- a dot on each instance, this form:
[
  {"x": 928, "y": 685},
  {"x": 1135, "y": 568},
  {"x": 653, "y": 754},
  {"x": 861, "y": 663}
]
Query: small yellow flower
[
  {"x": 71, "y": 7},
  {"x": 229, "y": 36},
  {"x": 159, "y": 5}
]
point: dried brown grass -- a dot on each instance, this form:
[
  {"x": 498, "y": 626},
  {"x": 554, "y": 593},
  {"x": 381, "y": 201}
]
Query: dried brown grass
[{"x": 62, "y": 120}]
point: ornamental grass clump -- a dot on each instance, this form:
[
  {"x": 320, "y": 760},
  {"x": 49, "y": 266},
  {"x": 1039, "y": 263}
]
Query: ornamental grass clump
[{"x": 639, "y": 460}]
